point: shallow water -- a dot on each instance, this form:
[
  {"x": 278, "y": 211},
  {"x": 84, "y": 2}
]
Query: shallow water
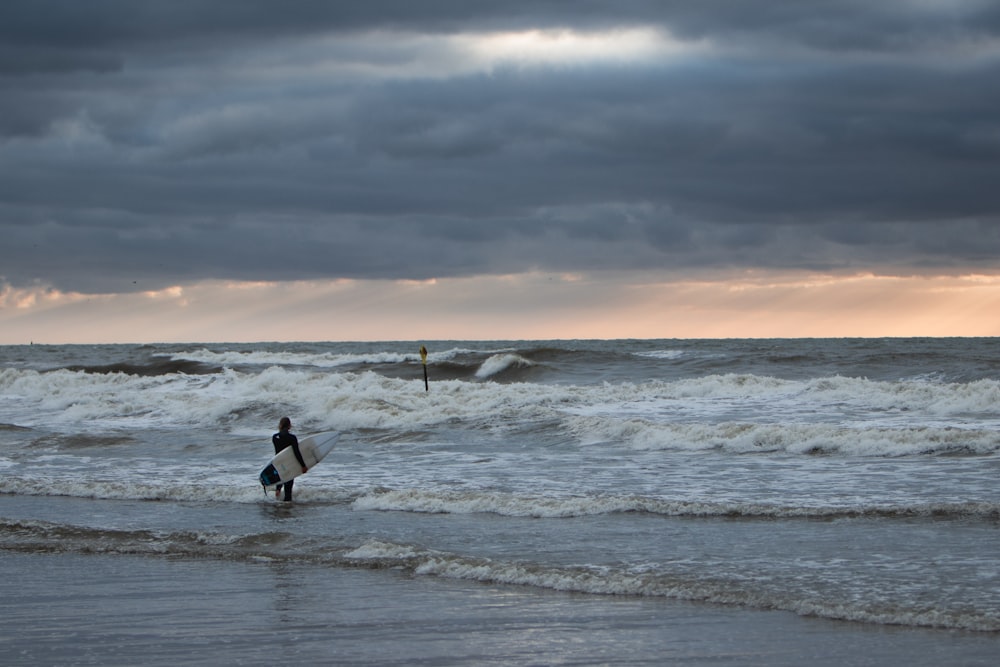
[{"x": 134, "y": 603}]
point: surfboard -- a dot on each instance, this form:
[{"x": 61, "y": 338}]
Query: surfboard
[{"x": 284, "y": 466}]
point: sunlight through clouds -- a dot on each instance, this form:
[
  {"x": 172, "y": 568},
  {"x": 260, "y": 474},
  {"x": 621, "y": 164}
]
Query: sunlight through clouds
[
  {"x": 33, "y": 298},
  {"x": 564, "y": 47},
  {"x": 404, "y": 55},
  {"x": 521, "y": 306}
]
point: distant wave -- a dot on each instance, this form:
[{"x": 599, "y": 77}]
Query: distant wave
[
  {"x": 265, "y": 358},
  {"x": 153, "y": 368},
  {"x": 499, "y": 363},
  {"x": 661, "y": 354},
  {"x": 231, "y": 358}
]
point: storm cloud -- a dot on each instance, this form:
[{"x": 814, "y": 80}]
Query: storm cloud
[{"x": 145, "y": 144}]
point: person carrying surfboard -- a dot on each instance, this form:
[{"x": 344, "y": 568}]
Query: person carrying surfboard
[{"x": 282, "y": 440}]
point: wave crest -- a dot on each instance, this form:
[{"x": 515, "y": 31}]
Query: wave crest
[{"x": 501, "y": 363}]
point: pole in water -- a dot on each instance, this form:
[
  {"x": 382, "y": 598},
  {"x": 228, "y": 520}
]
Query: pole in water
[{"x": 423, "y": 360}]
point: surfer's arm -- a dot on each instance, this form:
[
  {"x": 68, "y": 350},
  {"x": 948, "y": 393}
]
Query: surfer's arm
[{"x": 298, "y": 455}]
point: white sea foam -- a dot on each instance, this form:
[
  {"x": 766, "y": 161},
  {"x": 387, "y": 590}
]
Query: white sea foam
[
  {"x": 161, "y": 487},
  {"x": 152, "y": 481},
  {"x": 508, "y": 504},
  {"x": 736, "y": 413},
  {"x": 858, "y": 439}
]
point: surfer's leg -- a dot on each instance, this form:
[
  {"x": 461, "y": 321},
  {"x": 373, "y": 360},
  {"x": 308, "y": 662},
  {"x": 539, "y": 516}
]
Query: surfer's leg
[
  {"x": 277, "y": 491},
  {"x": 288, "y": 489}
]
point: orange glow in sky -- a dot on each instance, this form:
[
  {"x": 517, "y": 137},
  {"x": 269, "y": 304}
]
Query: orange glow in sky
[{"x": 529, "y": 306}]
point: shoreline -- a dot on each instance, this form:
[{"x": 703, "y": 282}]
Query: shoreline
[{"x": 126, "y": 609}]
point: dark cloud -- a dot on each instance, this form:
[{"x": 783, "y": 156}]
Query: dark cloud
[
  {"x": 165, "y": 142},
  {"x": 836, "y": 25}
]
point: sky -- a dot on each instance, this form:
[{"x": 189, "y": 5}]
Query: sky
[{"x": 251, "y": 170}]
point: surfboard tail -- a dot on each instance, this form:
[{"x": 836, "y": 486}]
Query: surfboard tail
[{"x": 269, "y": 476}]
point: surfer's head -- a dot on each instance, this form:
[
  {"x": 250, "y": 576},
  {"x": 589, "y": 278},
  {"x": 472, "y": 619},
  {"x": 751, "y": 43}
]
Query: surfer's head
[{"x": 284, "y": 424}]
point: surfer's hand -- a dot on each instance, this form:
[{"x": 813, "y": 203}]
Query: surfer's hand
[{"x": 305, "y": 469}]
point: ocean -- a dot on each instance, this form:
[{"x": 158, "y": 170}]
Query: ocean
[{"x": 577, "y": 502}]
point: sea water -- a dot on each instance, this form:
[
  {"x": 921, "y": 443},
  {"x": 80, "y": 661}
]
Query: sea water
[{"x": 535, "y": 502}]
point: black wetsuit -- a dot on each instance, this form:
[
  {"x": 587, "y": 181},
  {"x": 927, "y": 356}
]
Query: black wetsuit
[{"x": 282, "y": 440}]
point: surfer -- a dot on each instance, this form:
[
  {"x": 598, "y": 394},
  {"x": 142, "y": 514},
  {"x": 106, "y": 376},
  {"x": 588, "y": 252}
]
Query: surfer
[{"x": 283, "y": 439}]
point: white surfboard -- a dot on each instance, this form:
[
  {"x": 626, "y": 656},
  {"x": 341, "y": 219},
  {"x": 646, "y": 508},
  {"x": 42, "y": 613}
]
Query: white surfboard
[{"x": 284, "y": 466}]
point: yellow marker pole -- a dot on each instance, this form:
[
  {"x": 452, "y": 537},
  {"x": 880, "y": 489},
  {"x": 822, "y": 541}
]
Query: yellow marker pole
[{"x": 423, "y": 359}]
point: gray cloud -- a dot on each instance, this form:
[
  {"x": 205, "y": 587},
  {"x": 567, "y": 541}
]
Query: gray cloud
[{"x": 150, "y": 143}]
